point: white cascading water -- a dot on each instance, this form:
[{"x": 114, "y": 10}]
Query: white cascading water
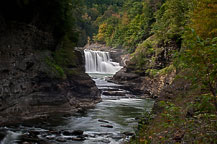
[{"x": 100, "y": 62}]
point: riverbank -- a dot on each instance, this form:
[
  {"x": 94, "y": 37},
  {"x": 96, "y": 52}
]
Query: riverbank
[{"x": 182, "y": 110}]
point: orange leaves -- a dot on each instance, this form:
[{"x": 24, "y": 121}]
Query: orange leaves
[{"x": 204, "y": 18}]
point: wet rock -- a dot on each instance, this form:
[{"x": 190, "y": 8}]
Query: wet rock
[
  {"x": 114, "y": 93},
  {"x": 128, "y": 133},
  {"x": 60, "y": 139},
  {"x": 75, "y": 132},
  {"x": 107, "y": 126},
  {"x": 104, "y": 121},
  {"x": 52, "y": 137},
  {"x": 34, "y": 133},
  {"x": 31, "y": 140},
  {"x": 26, "y": 143},
  {"x": 111, "y": 89},
  {"x": 78, "y": 132},
  {"x": 80, "y": 138},
  {"x": 54, "y": 132},
  {"x": 103, "y": 141},
  {"x": 67, "y": 133},
  {"x": 118, "y": 136},
  {"x": 2, "y": 135}
]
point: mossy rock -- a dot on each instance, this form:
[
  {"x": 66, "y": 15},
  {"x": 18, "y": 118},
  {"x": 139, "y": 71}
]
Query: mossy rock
[
  {"x": 55, "y": 70},
  {"x": 144, "y": 56},
  {"x": 65, "y": 55},
  {"x": 64, "y": 61}
]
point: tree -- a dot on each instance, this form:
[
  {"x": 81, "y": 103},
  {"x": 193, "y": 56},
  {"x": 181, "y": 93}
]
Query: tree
[
  {"x": 171, "y": 19},
  {"x": 204, "y": 18},
  {"x": 200, "y": 46}
]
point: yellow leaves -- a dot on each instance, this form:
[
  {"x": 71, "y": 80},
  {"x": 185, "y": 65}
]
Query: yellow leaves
[
  {"x": 100, "y": 37},
  {"x": 125, "y": 19},
  {"x": 213, "y": 32},
  {"x": 102, "y": 28},
  {"x": 101, "y": 32}
]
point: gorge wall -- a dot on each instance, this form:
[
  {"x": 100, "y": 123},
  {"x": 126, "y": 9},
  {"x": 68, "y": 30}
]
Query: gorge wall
[{"x": 31, "y": 84}]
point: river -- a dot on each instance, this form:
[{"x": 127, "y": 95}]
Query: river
[
  {"x": 108, "y": 122},
  {"x": 112, "y": 121}
]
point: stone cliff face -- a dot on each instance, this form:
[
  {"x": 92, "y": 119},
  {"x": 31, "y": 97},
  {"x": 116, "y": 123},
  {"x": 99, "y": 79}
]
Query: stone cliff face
[
  {"x": 140, "y": 81},
  {"x": 28, "y": 88},
  {"x": 145, "y": 86}
]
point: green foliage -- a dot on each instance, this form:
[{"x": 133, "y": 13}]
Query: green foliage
[
  {"x": 64, "y": 61},
  {"x": 199, "y": 48},
  {"x": 94, "y": 13},
  {"x": 128, "y": 27},
  {"x": 171, "y": 19},
  {"x": 172, "y": 125},
  {"x": 56, "y": 70},
  {"x": 196, "y": 51},
  {"x": 143, "y": 53},
  {"x": 171, "y": 114},
  {"x": 152, "y": 72},
  {"x": 200, "y": 56},
  {"x": 167, "y": 70},
  {"x": 102, "y": 5},
  {"x": 204, "y": 104},
  {"x": 65, "y": 55},
  {"x": 203, "y": 19}
]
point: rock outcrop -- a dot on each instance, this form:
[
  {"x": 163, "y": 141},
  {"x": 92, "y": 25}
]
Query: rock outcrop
[
  {"x": 142, "y": 85},
  {"x": 137, "y": 77},
  {"x": 28, "y": 86}
]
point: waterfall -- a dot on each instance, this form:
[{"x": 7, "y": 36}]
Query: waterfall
[{"x": 100, "y": 62}]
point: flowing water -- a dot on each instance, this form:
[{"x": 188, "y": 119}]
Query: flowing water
[
  {"x": 112, "y": 121},
  {"x": 100, "y": 62}
]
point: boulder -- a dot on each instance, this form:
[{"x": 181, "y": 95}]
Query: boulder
[
  {"x": 107, "y": 126},
  {"x": 75, "y": 132},
  {"x": 114, "y": 93}
]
